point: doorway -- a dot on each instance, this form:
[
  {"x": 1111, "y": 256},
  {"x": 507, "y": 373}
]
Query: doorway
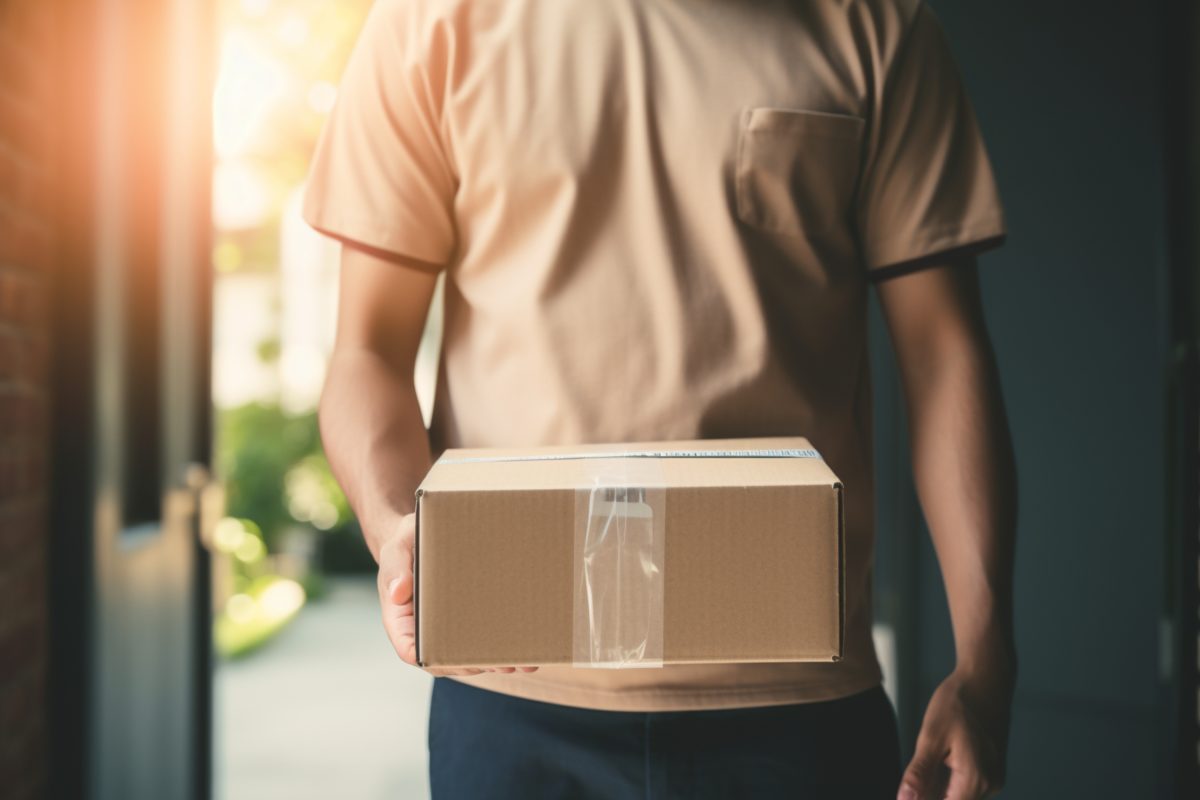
[{"x": 309, "y": 699}]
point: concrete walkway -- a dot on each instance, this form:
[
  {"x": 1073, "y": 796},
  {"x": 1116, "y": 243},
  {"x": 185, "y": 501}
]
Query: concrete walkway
[{"x": 326, "y": 710}]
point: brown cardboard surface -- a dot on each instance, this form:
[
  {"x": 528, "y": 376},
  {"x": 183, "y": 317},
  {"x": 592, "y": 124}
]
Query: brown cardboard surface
[{"x": 752, "y": 566}]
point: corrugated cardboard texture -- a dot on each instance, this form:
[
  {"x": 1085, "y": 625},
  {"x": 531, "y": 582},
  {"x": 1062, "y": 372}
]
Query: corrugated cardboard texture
[{"x": 752, "y": 561}]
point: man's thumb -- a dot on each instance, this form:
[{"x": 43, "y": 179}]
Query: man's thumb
[
  {"x": 395, "y": 570},
  {"x": 399, "y": 589},
  {"x": 923, "y": 776}
]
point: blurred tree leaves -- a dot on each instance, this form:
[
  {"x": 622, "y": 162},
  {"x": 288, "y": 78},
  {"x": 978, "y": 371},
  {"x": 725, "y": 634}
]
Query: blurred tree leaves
[
  {"x": 260, "y": 445},
  {"x": 307, "y": 43}
]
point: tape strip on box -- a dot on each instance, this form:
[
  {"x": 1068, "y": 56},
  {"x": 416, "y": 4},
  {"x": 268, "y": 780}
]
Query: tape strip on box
[{"x": 620, "y": 547}]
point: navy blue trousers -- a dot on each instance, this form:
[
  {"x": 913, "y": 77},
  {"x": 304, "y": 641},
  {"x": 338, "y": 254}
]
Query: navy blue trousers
[{"x": 489, "y": 746}]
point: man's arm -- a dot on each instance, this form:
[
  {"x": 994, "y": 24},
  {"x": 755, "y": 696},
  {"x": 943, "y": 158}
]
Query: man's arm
[
  {"x": 966, "y": 481},
  {"x": 371, "y": 425}
]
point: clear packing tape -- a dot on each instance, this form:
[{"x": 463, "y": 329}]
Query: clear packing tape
[{"x": 620, "y": 545}]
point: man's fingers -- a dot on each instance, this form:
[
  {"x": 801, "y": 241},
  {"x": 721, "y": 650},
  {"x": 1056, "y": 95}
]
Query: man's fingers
[
  {"x": 440, "y": 672},
  {"x": 401, "y": 630},
  {"x": 965, "y": 784},
  {"x": 396, "y": 567},
  {"x": 969, "y": 778},
  {"x": 925, "y": 778}
]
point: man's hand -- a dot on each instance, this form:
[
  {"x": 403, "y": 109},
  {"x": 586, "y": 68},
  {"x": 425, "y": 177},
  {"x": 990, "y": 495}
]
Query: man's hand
[
  {"x": 396, "y": 598},
  {"x": 960, "y": 750}
]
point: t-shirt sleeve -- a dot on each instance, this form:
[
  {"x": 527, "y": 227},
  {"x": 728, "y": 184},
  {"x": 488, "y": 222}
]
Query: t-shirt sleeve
[
  {"x": 380, "y": 175},
  {"x": 927, "y": 185}
]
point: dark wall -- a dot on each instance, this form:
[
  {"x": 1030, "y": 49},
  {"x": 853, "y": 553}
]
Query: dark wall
[{"x": 1069, "y": 96}]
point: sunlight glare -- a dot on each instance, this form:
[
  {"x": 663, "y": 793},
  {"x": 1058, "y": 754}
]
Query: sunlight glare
[
  {"x": 281, "y": 598},
  {"x": 241, "y": 608},
  {"x": 228, "y": 534},
  {"x": 249, "y": 84},
  {"x": 322, "y": 96},
  {"x": 255, "y": 8},
  {"x": 293, "y": 30},
  {"x": 240, "y": 197}
]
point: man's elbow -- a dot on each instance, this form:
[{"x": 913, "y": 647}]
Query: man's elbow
[{"x": 327, "y": 401}]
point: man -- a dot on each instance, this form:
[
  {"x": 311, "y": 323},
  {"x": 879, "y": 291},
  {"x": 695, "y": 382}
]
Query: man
[{"x": 659, "y": 219}]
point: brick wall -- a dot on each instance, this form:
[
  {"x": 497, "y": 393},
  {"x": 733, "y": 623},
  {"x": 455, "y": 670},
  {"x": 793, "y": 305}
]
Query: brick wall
[{"x": 25, "y": 263}]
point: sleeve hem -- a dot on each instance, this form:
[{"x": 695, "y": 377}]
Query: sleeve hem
[
  {"x": 386, "y": 241},
  {"x": 941, "y": 257},
  {"x": 900, "y": 254}
]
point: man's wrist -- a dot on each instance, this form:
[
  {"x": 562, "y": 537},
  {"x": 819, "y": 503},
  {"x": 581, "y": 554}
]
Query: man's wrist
[
  {"x": 380, "y": 528},
  {"x": 991, "y": 660}
]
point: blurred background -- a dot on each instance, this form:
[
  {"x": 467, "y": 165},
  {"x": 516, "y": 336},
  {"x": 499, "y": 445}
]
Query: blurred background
[
  {"x": 326, "y": 710},
  {"x": 186, "y": 606}
]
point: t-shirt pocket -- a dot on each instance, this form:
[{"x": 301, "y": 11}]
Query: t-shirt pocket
[{"x": 796, "y": 170}]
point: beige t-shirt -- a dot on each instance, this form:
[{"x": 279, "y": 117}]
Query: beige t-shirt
[{"x": 658, "y": 220}]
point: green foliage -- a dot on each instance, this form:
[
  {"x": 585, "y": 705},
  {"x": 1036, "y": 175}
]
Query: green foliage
[
  {"x": 269, "y": 349},
  {"x": 275, "y": 471}
]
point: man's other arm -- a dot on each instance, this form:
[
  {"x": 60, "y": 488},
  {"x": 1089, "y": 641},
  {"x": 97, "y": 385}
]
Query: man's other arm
[{"x": 966, "y": 481}]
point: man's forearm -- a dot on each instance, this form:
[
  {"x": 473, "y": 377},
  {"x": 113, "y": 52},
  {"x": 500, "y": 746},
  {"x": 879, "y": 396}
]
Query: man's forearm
[
  {"x": 374, "y": 437},
  {"x": 965, "y": 477}
]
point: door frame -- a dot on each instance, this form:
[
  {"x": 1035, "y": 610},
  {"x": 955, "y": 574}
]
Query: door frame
[
  {"x": 92, "y": 611},
  {"x": 1182, "y": 443}
]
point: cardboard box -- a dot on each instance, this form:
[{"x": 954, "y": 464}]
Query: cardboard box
[{"x": 627, "y": 555}]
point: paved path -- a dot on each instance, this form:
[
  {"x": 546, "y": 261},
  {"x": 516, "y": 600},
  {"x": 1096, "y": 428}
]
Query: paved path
[{"x": 325, "y": 711}]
